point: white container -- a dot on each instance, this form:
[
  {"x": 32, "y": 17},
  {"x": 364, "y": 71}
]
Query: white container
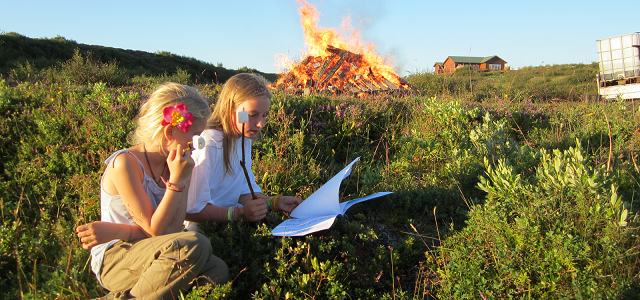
[{"x": 619, "y": 56}]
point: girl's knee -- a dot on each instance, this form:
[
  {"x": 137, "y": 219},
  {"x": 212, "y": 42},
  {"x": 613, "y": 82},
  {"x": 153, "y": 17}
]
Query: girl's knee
[
  {"x": 195, "y": 244},
  {"x": 215, "y": 271},
  {"x": 222, "y": 274}
]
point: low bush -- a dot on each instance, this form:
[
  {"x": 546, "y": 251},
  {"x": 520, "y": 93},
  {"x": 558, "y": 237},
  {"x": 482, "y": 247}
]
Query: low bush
[{"x": 561, "y": 233}]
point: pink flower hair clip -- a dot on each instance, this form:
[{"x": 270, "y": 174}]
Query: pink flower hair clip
[{"x": 178, "y": 116}]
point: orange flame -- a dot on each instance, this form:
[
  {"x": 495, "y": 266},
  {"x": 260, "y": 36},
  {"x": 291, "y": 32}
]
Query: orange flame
[{"x": 319, "y": 40}]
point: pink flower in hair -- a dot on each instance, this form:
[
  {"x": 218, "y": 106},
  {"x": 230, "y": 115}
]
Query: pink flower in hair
[{"x": 178, "y": 116}]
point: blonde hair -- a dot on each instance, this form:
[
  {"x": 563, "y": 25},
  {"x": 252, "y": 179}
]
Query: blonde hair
[
  {"x": 149, "y": 121},
  {"x": 237, "y": 90}
]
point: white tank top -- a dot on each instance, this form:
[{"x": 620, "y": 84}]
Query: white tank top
[{"x": 113, "y": 210}]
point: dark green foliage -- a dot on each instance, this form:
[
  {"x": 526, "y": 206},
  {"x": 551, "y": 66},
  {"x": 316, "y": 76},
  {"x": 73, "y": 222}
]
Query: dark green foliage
[
  {"x": 55, "y": 141},
  {"x": 16, "y": 50},
  {"x": 503, "y": 198}
]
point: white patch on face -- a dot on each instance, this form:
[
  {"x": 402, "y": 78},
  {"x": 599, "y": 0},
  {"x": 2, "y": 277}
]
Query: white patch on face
[
  {"x": 257, "y": 109},
  {"x": 183, "y": 138}
]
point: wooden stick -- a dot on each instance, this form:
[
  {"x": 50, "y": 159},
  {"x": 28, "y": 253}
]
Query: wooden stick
[{"x": 244, "y": 168}]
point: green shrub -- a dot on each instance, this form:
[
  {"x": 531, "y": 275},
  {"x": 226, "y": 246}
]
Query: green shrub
[
  {"x": 85, "y": 69},
  {"x": 561, "y": 233},
  {"x": 180, "y": 76},
  {"x": 25, "y": 71}
]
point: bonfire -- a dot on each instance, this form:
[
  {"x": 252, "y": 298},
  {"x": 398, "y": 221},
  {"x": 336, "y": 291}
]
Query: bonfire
[{"x": 338, "y": 65}]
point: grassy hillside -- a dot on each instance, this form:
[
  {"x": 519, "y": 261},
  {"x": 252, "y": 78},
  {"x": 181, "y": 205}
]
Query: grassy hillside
[
  {"x": 572, "y": 82},
  {"x": 18, "y": 52},
  {"x": 503, "y": 196}
]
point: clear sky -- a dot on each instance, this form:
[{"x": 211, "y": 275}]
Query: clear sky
[{"x": 413, "y": 34}]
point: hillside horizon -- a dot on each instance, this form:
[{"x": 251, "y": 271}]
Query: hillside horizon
[{"x": 45, "y": 52}]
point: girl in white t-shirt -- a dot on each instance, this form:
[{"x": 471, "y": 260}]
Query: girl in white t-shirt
[{"x": 219, "y": 190}]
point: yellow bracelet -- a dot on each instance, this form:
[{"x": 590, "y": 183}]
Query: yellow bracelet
[{"x": 231, "y": 214}]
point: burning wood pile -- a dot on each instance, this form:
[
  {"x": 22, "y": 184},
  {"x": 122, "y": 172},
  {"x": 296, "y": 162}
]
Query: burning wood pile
[
  {"x": 342, "y": 72},
  {"x": 335, "y": 65}
]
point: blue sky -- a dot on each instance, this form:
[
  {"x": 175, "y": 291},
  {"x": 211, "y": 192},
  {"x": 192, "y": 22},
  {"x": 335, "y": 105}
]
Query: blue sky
[{"x": 414, "y": 34}]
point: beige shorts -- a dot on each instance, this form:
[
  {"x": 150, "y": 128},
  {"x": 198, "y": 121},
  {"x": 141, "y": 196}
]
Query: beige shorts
[{"x": 161, "y": 267}]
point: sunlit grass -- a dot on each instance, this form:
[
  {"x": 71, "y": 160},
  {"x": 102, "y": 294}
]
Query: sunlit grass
[{"x": 500, "y": 198}]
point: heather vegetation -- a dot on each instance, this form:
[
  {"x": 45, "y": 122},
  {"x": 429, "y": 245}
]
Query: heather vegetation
[
  {"x": 499, "y": 192},
  {"x": 574, "y": 82}
]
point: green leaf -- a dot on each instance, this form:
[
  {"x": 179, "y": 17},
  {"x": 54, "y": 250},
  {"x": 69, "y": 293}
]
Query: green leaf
[{"x": 623, "y": 218}]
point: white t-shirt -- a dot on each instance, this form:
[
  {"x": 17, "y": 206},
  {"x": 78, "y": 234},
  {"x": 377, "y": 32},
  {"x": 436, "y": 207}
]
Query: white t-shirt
[{"x": 209, "y": 182}]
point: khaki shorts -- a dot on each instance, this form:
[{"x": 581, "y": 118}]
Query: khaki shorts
[{"x": 161, "y": 267}]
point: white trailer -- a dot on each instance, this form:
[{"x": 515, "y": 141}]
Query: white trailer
[{"x": 619, "y": 75}]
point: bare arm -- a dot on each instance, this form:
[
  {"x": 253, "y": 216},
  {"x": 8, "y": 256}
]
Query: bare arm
[
  {"x": 251, "y": 210},
  {"x": 126, "y": 177},
  {"x": 181, "y": 213},
  {"x": 210, "y": 212},
  {"x": 96, "y": 233}
]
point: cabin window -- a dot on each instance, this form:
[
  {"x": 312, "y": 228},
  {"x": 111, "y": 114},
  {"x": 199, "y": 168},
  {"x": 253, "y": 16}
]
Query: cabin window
[{"x": 495, "y": 67}]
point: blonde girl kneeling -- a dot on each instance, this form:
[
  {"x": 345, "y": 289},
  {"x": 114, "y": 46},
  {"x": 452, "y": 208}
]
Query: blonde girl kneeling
[{"x": 139, "y": 249}]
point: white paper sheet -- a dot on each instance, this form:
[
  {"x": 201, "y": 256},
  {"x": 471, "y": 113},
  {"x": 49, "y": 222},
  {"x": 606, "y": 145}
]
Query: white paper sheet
[
  {"x": 345, "y": 205},
  {"x": 324, "y": 202},
  {"x": 320, "y": 210},
  {"x": 300, "y": 227}
]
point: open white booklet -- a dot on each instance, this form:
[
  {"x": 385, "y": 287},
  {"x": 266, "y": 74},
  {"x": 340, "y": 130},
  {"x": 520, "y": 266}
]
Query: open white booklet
[{"x": 321, "y": 208}]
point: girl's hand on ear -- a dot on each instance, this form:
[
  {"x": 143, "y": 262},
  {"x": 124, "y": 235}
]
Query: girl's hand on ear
[
  {"x": 288, "y": 203},
  {"x": 179, "y": 166}
]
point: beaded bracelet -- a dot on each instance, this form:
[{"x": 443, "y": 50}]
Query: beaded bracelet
[
  {"x": 231, "y": 214},
  {"x": 270, "y": 203},
  {"x": 275, "y": 203},
  {"x": 172, "y": 187}
]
